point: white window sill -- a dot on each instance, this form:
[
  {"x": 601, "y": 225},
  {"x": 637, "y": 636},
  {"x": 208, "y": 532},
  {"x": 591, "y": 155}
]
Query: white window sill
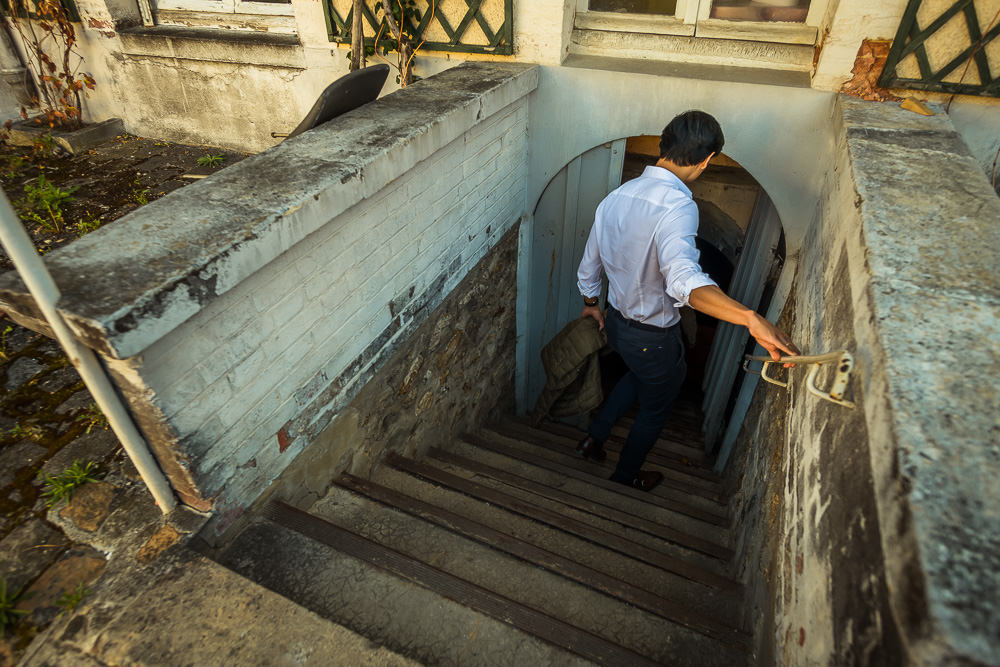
[{"x": 662, "y": 48}]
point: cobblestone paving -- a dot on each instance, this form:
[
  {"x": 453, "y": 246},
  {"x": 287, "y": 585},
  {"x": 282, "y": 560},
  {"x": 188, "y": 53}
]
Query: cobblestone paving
[{"x": 48, "y": 421}]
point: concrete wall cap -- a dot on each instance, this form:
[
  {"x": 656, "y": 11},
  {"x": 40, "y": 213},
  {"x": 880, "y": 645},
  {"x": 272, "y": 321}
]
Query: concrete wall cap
[
  {"x": 932, "y": 254},
  {"x": 128, "y": 284}
]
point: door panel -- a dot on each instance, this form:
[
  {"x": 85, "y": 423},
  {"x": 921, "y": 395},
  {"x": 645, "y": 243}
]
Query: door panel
[
  {"x": 560, "y": 227},
  {"x": 747, "y": 287}
]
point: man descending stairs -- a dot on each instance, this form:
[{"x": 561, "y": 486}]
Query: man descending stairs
[{"x": 506, "y": 548}]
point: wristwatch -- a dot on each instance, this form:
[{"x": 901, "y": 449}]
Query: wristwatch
[{"x": 590, "y": 301}]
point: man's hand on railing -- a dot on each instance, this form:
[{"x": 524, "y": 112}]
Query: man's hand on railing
[{"x": 771, "y": 338}]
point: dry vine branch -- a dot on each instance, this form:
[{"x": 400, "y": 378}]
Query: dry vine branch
[
  {"x": 60, "y": 85},
  {"x": 357, "y": 37},
  {"x": 405, "y": 50}
]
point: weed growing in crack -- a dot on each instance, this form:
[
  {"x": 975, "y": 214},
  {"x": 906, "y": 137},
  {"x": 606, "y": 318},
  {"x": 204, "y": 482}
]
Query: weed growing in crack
[
  {"x": 210, "y": 160},
  {"x": 3, "y": 342},
  {"x": 87, "y": 225},
  {"x": 93, "y": 416},
  {"x": 62, "y": 486},
  {"x": 43, "y": 197},
  {"x": 8, "y": 614},
  {"x": 44, "y": 146},
  {"x": 20, "y": 431},
  {"x": 12, "y": 166},
  {"x": 139, "y": 193},
  {"x": 70, "y": 600}
]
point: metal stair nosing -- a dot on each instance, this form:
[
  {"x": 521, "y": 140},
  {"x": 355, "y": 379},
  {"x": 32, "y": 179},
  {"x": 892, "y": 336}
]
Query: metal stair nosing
[
  {"x": 526, "y": 619},
  {"x": 596, "y": 474},
  {"x": 657, "y": 530},
  {"x": 553, "y": 562},
  {"x": 566, "y": 524}
]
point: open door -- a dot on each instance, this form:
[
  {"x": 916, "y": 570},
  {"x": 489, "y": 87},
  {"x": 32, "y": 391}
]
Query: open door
[{"x": 560, "y": 226}]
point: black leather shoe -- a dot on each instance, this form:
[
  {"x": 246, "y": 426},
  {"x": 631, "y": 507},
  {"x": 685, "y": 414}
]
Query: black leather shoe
[
  {"x": 591, "y": 449},
  {"x": 646, "y": 480}
]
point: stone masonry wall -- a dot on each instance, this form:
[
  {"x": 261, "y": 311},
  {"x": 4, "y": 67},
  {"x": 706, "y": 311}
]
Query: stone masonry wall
[
  {"x": 454, "y": 372},
  {"x": 866, "y": 534}
]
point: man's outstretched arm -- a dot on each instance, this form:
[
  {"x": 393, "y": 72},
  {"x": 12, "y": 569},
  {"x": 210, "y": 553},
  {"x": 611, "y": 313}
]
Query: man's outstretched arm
[{"x": 713, "y": 301}]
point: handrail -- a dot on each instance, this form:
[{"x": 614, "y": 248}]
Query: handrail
[
  {"x": 36, "y": 276},
  {"x": 843, "y": 359}
]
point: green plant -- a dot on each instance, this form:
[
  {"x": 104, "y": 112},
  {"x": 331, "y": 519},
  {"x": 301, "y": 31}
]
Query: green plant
[
  {"x": 93, "y": 417},
  {"x": 44, "y": 146},
  {"x": 62, "y": 486},
  {"x": 85, "y": 226},
  {"x": 13, "y": 165},
  {"x": 70, "y": 600},
  {"x": 8, "y": 602},
  {"x": 209, "y": 160},
  {"x": 3, "y": 341},
  {"x": 21, "y": 431},
  {"x": 139, "y": 194},
  {"x": 43, "y": 196}
]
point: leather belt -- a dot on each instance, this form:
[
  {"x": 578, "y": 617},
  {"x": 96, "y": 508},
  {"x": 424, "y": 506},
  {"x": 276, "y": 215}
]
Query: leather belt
[{"x": 638, "y": 325}]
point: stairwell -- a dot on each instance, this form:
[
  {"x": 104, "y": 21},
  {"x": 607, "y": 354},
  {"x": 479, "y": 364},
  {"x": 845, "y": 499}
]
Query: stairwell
[{"x": 504, "y": 548}]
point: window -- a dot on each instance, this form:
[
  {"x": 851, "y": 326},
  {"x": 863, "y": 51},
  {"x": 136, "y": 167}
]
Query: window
[
  {"x": 257, "y": 15},
  {"x": 783, "y": 21}
]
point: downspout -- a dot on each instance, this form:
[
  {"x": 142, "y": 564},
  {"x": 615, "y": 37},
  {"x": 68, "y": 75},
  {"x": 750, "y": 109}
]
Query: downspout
[{"x": 46, "y": 294}]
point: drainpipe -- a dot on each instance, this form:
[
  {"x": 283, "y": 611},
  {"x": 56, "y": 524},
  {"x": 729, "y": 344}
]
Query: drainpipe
[{"x": 46, "y": 294}]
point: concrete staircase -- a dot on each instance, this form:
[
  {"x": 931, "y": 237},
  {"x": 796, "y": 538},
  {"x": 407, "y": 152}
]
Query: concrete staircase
[{"x": 505, "y": 548}]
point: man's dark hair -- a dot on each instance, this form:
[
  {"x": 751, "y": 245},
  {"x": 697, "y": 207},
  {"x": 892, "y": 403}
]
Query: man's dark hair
[{"x": 690, "y": 138}]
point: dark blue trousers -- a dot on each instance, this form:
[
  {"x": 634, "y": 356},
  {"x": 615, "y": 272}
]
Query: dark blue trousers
[{"x": 656, "y": 372}]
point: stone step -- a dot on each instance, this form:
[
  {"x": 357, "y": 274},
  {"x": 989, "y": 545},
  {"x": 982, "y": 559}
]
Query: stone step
[
  {"x": 605, "y": 492},
  {"x": 557, "y": 449},
  {"x": 510, "y": 577},
  {"x": 678, "y": 479},
  {"x": 700, "y": 549},
  {"x": 687, "y": 438},
  {"x": 683, "y": 467},
  {"x": 720, "y": 601},
  {"x": 398, "y": 612},
  {"x": 661, "y": 558},
  {"x": 631, "y": 593}
]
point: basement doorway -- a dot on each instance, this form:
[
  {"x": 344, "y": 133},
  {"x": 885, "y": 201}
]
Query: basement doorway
[{"x": 742, "y": 248}]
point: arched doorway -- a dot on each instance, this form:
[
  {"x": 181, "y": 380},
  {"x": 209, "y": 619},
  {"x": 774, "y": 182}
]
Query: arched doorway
[{"x": 740, "y": 238}]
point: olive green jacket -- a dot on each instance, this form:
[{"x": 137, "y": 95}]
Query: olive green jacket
[{"x": 572, "y": 371}]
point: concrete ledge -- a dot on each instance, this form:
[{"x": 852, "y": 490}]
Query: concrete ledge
[
  {"x": 25, "y": 133},
  {"x": 681, "y": 70},
  {"x": 128, "y": 284},
  {"x": 929, "y": 222},
  {"x": 214, "y": 45}
]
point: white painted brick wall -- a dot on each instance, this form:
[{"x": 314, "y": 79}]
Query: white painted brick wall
[{"x": 254, "y": 360}]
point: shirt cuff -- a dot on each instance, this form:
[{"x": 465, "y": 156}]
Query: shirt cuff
[
  {"x": 690, "y": 284},
  {"x": 588, "y": 291}
]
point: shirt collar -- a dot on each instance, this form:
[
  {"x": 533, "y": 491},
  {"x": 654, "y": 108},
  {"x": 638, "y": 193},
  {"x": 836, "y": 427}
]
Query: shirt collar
[{"x": 652, "y": 171}]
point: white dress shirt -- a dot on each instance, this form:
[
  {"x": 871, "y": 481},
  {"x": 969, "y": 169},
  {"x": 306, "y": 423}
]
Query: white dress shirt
[{"x": 643, "y": 240}]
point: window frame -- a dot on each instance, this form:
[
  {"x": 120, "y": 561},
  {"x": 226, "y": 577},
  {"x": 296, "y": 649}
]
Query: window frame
[
  {"x": 692, "y": 18},
  {"x": 227, "y": 7}
]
